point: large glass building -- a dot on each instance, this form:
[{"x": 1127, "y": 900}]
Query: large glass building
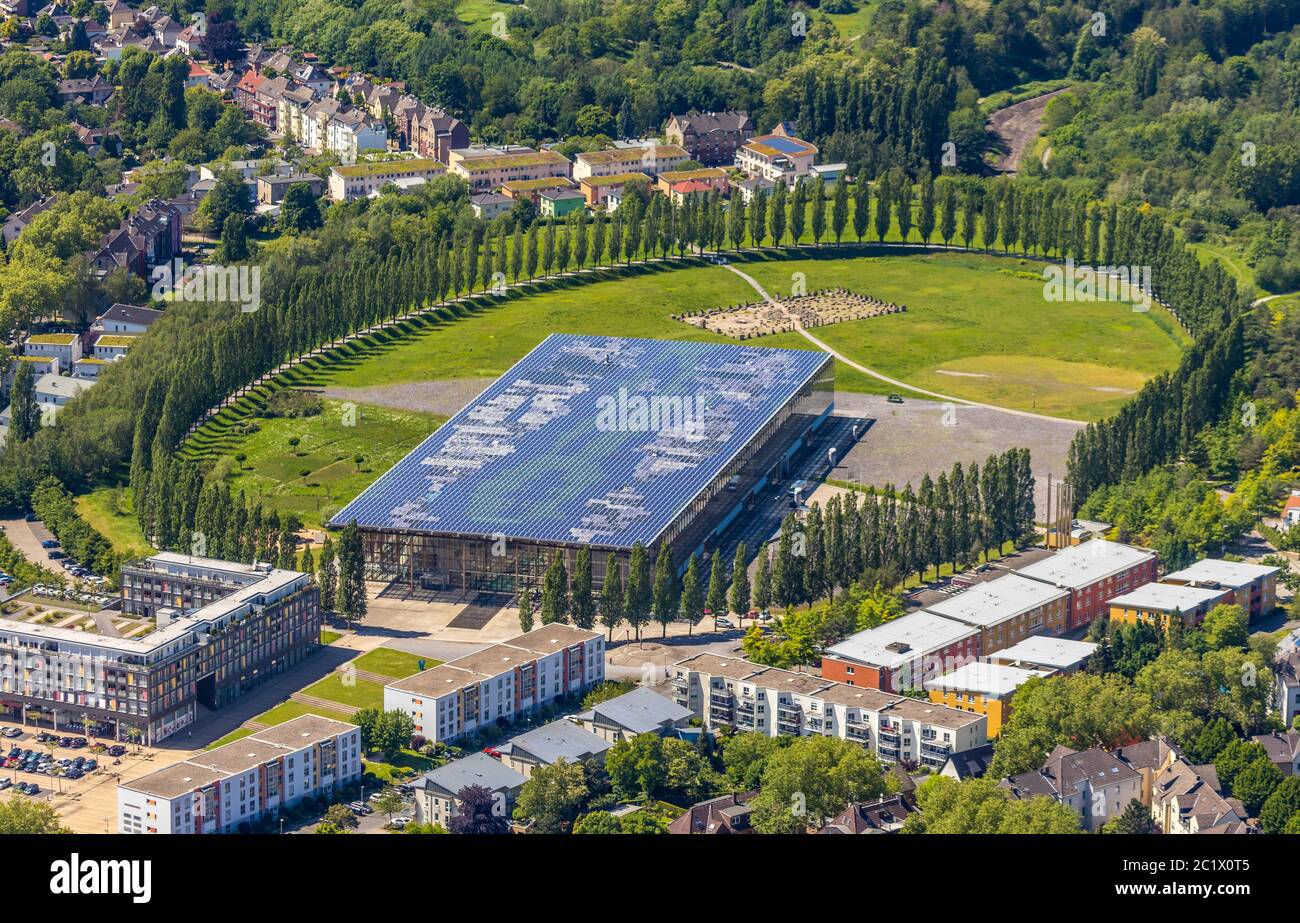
[{"x": 592, "y": 441}]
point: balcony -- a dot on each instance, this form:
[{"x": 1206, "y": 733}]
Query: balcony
[
  {"x": 721, "y": 695},
  {"x": 858, "y": 732},
  {"x": 935, "y": 751}
]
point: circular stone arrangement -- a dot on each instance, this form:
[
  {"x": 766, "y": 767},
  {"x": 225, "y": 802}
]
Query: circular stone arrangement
[{"x": 814, "y": 309}]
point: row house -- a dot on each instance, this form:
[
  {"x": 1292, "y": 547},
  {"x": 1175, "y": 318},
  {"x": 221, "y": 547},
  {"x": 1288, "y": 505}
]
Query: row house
[
  {"x": 1097, "y": 784},
  {"x": 353, "y": 132},
  {"x": 498, "y": 683},
  {"x": 1008, "y": 609},
  {"x": 148, "y": 237},
  {"x": 356, "y": 181},
  {"x": 712, "y": 138},
  {"x": 427, "y": 130},
  {"x": 291, "y": 112},
  {"x": 249, "y": 96},
  {"x": 651, "y": 159},
  {"x": 713, "y": 178},
  {"x": 903, "y": 653},
  {"x": 236, "y": 785},
  {"x": 1158, "y": 604},
  {"x": 736, "y": 694},
  {"x": 484, "y": 174},
  {"x": 1094, "y": 573}
]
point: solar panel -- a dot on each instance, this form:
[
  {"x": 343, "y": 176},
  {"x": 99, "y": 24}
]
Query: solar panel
[
  {"x": 601, "y": 440},
  {"x": 785, "y": 145}
]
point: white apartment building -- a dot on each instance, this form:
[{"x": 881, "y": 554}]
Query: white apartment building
[
  {"x": 356, "y": 181},
  {"x": 650, "y": 159},
  {"x": 500, "y": 682},
  {"x": 724, "y": 691},
  {"x": 350, "y": 133},
  {"x": 217, "y": 791},
  {"x": 66, "y": 347},
  {"x": 776, "y": 158}
]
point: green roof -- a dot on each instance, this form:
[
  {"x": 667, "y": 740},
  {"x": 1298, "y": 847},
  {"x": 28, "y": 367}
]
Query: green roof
[
  {"x": 416, "y": 165},
  {"x": 616, "y": 179},
  {"x": 546, "y": 182},
  {"x": 123, "y": 341},
  {"x": 53, "y": 339},
  {"x": 484, "y": 164}
]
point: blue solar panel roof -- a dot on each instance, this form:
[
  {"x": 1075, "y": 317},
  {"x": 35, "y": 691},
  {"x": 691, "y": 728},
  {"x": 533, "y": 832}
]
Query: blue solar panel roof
[
  {"x": 600, "y": 440},
  {"x": 785, "y": 145}
]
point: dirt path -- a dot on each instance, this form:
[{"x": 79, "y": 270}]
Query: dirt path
[
  {"x": 1014, "y": 128},
  {"x": 894, "y": 381}
]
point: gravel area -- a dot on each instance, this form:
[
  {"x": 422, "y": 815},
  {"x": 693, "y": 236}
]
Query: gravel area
[
  {"x": 910, "y": 439},
  {"x": 440, "y": 397}
]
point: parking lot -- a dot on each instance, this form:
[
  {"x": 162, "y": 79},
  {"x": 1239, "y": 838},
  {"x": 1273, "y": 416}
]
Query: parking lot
[{"x": 40, "y": 764}]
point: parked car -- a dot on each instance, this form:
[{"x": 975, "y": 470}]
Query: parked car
[
  {"x": 50, "y": 543},
  {"x": 117, "y": 750},
  {"x": 723, "y": 622},
  {"x": 360, "y": 807},
  {"x": 5, "y": 783},
  {"x": 55, "y": 555},
  {"x": 12, "y": 732}
]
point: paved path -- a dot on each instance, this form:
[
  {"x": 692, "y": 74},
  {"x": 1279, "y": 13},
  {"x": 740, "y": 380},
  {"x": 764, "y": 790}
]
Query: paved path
[{"x": 893, "y": 381}]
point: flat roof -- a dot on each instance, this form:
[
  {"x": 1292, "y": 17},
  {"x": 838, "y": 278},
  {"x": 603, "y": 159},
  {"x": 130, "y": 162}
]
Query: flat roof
[
  {"x": 439, "y": 680},
  {"x": 789, "y": 681},
  {"x": 498, "y": 161},
  {"x": 992, "y": 679},
  {"x": 931, "y": 713},
  {"x": 648, "y": 152},
  {"x": 547, "y": 639},
  {"x": 781, "y": 144},
  {"x": 614, "y": 179},
  {"x": 239, "y": 755},
  {"x": 715, "y": 665},
  {"x": 1166, "y": 597},
  {"x": 1047, "y": 651},
  {"x": 1079, "y": 565},
  {"x": 999, "y": 599},
  {"x": 495, "y": 660},
  {"x": 579, "y": 441},
  {"x": 52, "y": 339},
  {"x": 116, "y": 339},
  {"x": 1227, "y": 573},
  {"x": 175, "y": 780},
  {"x": 387, "y": 167},
  {"x": 902, "y": 640},
  {"x": 303, "y": 731}
]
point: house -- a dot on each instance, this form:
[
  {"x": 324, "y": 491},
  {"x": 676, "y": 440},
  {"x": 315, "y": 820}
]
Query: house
[
  {"x": 560, "y": 203},
  {"x": 828, "y": 173},
  {"x": 111, "y": 346},
  {"x": 884, "y": 815},
  {"x": 89, "y": 91},
  {"x": 40, "y": 365},
  {"x": 1148, "y": 758},
  {"x": 485, "y": 174},
  {"x": 1095, "y": 573},
  {"x": 1189, "y": 799},
  {"x": 1097, "y": 784},
  {"x": 272, "y": 187},
  {"x": 1008, "y": 610},
  {"x": 354, "y": 131},
  {"x": 724, "y": 815},
  {"x": 970, "y": 764},
  {"x": 598, "y": 190},
  {"x": 54, "y": 391},
  {"x": 1253, "y": 586},
  {"x": 550, "y": 743},
  {"x": 532, "y": 189},
  {"x": 1283, "y": 750},
  {"x": 199, "y": 76},
  {"x": 902, "y": 653},
  {"x": 651, "y": 160},
  {"x": 88, "y": 368},
  {"x": 1044, "y": 652},
  {"x": 66, "y": 347},
  {"x": 96, "y": 139},
  {"x": 710, "y": 137},
  {"x": 1158, "y": 604},
  {"x": 498, "y": 683},
  {"x": 356, "y": 181},
  {"x": 982, "y": 689},
  {"x": 1287, "y": 699},
  {"x": 712, "y": 177},
  {"x": 148, "y": 237},
  {"x": 14, "y": 224},
  {"x": 737, "y": 694},
  {"x": 436, "y": 791},
  {"x": 129, "y": 319},
  {"x": 776, "y": 157},
  {"x": 1291, "y": 510},
  {"x": 751, "y": 186},
  {"x": 224, "y": 789},
  {"x": 427, "y": 130},
  {"x": 487, "y": 205},
  {"x": 641, "y": 711},
  {"x": 119, "y": 14}
]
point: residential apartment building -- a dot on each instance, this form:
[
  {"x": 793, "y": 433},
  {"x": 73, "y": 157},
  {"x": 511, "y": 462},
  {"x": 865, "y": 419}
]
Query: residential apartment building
[
  {"x": 550, "y": 743},
  {"x": 1158, "y": 604},
  {"x": 1253, "y": 586},
  {"x": 901, "y": 654},
  {"x": 776, "y": 158},
  {"x": 1095, "y": 783},
  {"x": 713, "y": 179},
  {"x": 356, "y": 181},
  {"x": 271, "y": 188},
  {"x": 641, "y": 711},
  {"x": 350, "y": 133},
  {"x": 500, "y": 682},
  {"x": 228, "y": 789},
  {"x": 1044, "y": 652},
  {"x": 727, "y": 692},
  {"x": 532, "y": 189},
  {"x": 1008, "y": 609},
  {"x": 982, "y": 689},
  {"x": 485, "y": 174},
  {"x": 66, "y": 347},
  {"x": 436, "y": 792},
  {"x": 427, "y": 130},
  {"x": 113, "y": 346},
  {"x": 221, "y": 629},
  {"x": 651, "y": 159},
  {"x": 1094, "y": 572},
  {"x": 1283, "y": 750},
  {"x": 712, "y": 138},
  {"x": 1287, "y": 701},
  {"x": 1189, "y": 799}
]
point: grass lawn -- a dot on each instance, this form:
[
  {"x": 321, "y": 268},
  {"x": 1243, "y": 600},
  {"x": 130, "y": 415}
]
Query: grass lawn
[
  {"x": 108, "y": 511},
  {"x": 477, "y": 14},
  {"x": 389, "y": 662},
  {"x": 1232, "y": 261},
  {"x": 852, "y": 25},
  {"x": 362, "y": 693},
  {"x": 328, "y": 637},
  {"x": 405, "y": 764},
  {"x": 970, "y": 331},
  {"x": 976, "y": 333},
  {"x": 285, "y": 711},
  {"x": 273, "y": 471}
]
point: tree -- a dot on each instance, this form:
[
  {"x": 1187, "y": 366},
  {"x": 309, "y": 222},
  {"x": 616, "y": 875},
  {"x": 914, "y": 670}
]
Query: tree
[
  {"x": 982, "y": 806},
  {"x": 1254, "y": 784},
  {"x": 479, "y": 811},
  {"x": 598, "y": 822},
  {"x": 366, "y": 720},
  {"x": 339, "y": 817},
  {"x": 636, "y": 767},
  {"x": 327, "y": 576},
  {"x": 584, "y": 604},
  {"x": 1282, "y": 807},
  {"x": 299, "y": 210},
  {"x": 611, "y": 595},
  {"x": 351, "y": 596},
  {"x": 1235, "y": 758},
  {"x": 1136, "y": 818},
  {"x": 553, "y": 797},
  {"x": 738, "y": 598},
  {"x": 20, "y": 815},
  {"x": 745, "y": 756},
  {"x": 389, "y": 803},
  {"x": 555, "y": 592},
  {"x": 763, "y": 580},
  {"x": 525, "y": 610},
  {"x": 392, "y": 731},
  {"x": 1225, "y": 626},
  {"x": 691, "y": 605},
  {"x": 814, "y": 778},
  {"x": 25, "y": 412},
  {"x": 666, "y": 591},
  {"x": 638, "y": 598}
]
